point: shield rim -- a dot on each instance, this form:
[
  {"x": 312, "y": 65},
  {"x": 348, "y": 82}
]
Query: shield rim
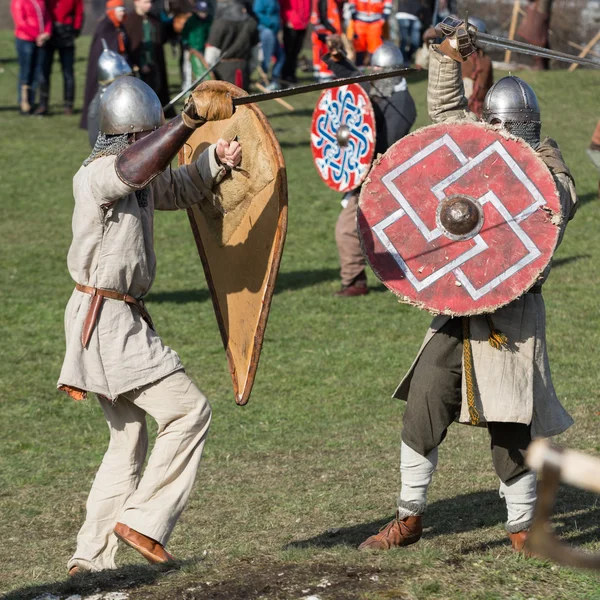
[
  {"x": 371, "y": 112},
  {"x": 242, "y": 396},
  {"x": 415, "y": 301}
]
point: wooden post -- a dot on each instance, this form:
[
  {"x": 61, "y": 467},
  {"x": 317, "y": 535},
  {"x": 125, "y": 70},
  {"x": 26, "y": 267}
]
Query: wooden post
[
  {"x": 513, "y": 27},
  {"x": 586, "y": 50},
  {"x": 579, "y": 47}
]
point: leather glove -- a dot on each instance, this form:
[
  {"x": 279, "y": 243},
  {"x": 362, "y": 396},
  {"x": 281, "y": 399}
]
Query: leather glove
[
  {"x": 210, "y": 101},
  {"x": 335, "y": 44},
  {"x": 460, "y": 39}
]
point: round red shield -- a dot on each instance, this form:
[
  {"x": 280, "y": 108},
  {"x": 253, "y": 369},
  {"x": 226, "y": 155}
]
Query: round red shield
[
  {"x": 459, "y": 219},
  {"x": 343, "y": 137}
]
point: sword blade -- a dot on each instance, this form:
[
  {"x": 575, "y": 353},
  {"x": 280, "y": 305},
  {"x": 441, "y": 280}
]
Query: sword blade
[
  {"x": 315, "y": 87},
  {"x": 523, "y": 48}
]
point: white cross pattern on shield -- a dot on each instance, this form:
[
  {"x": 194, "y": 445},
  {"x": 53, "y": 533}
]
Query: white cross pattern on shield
[{"x": 451, "y": 164}]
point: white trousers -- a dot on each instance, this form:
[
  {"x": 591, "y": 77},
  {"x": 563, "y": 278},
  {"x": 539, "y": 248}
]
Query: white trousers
[
  {"x": 417, "y": 472},
  {"x": 152, "y": 503}
]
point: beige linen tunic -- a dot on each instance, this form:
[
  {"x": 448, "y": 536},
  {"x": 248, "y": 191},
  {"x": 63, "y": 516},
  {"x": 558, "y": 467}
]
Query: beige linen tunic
[
  {"x": 113, "y": 249},
  {"x": 512, "y": 385}
]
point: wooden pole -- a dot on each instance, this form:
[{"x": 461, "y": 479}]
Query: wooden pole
[
  {"x": 579, "y": 47},
  {"x": 586, "y": 50},
  {"x": 513, "y": 27},
  {"x": 283, "y": 103}
]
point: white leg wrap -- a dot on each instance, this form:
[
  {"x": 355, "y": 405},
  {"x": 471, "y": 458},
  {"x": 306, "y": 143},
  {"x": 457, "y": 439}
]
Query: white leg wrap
[
  {"x": 416, "y": 472},
  {"x": 520, "y": 497}
]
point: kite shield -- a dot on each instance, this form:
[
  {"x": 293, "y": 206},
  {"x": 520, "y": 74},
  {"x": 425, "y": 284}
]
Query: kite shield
[
  {"x": 343, "y": 137},
  {"x": 459, "y": 219},
  {"x": 240, "y": 234}
]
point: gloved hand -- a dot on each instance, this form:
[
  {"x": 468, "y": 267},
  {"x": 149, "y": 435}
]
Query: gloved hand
[
  {"x": 210, "y": 101},
  {"x": 335, "y": 44},
  {"x": 460, "y": 39}
]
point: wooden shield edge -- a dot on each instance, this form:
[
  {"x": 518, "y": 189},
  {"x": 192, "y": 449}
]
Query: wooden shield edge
[{"x": 242, "y": 396}]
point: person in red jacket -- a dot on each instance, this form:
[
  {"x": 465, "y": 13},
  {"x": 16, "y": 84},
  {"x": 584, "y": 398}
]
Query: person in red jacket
[
  {"x": 295, "y": 17},
  {"x": 32, "y": 31},
  {"x": 67, "y": 20}
]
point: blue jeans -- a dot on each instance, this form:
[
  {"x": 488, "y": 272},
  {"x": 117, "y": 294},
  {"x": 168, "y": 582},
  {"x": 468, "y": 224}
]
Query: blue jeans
[
  {"x": 271, "y": 47},
  {"x": 410, "y": 37},
  {"x": 30, "y": 65}
]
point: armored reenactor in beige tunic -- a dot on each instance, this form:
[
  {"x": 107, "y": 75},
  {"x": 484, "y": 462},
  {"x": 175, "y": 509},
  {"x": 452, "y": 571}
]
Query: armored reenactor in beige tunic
[
  {"x": 113, "y": 349},
  {"x": 514, "y": 394}
]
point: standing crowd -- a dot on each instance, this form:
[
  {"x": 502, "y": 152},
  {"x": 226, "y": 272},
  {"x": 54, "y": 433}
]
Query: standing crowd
[{"x": 235, "y": 37}]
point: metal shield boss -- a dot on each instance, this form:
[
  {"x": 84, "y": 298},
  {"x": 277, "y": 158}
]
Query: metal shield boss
[
  {"x": 342, "y": 137},
  {"x": 459, "y": 219},
  {"x": 240, "y": 231}
]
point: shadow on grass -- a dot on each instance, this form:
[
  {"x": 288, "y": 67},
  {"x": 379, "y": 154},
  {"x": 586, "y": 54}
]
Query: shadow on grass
[
  {"x": 293, "y": 280},
  {"x": 589, "y": 197},
  {"x": 469, "y": 512},
  {"x": 561, "y": 262},
  {"x": 123, "y": 579}
]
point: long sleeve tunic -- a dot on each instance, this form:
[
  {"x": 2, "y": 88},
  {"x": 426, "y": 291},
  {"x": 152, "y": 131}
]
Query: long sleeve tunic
[{"x": 113, "y": 249}]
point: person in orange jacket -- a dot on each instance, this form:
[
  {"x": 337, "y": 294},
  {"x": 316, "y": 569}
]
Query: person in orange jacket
[
  {"x": 368, "y": 17},
  {"x": 326, "y": 20}
]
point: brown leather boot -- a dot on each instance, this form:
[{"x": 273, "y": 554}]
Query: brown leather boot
[
  {"x": 150, "y": 549},
  {"x": 518, "y": 540},
  {"x": 358, "y": 287},
  {"x": 399, "y": 532}
]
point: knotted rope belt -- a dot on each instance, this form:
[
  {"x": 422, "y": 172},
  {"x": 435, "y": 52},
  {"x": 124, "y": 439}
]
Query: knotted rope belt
[
  {"x": 497, "y": 340},
  {"x": 98, "y": 295}
]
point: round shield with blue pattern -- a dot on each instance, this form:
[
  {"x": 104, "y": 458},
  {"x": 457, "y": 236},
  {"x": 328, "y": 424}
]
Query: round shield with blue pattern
[{"x": 343, "y": 137}]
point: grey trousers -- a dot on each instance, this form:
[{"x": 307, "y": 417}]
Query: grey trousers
[{"x": 435, "y": 399}]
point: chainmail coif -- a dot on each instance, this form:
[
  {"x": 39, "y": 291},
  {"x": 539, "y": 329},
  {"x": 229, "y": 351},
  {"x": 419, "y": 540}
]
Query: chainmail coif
[
  {"x": 107, "y": 145},
  {"x": 527, "y": 130}
]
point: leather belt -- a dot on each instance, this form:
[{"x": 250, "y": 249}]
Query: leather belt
[{"x": 98, "y": 295}]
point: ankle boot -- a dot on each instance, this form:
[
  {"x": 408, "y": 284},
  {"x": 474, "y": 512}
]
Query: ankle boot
[
  {"x": 399, "y": 532},
  {"x": 25, "y": 106}
]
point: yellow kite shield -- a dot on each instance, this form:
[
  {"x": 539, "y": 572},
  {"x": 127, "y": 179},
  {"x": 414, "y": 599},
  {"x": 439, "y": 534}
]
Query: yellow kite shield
[{"x": 240, "y": 234}]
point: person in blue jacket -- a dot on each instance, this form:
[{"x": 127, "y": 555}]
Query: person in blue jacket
[{"x": 269, "y": 21}]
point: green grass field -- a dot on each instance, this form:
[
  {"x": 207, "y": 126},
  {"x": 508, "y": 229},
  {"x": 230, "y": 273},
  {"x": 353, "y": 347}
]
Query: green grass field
[{"x": 290, "y": 484}]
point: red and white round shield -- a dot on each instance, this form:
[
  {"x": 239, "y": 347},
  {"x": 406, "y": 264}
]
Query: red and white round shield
[
  {"x": 343, "y": 137},
  {"x": 459, "y": 219}
]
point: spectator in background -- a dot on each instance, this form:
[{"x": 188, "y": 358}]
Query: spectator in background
[
  {"x": 146, "y": 48},
  {"x": 326, "y": 20},
  {"x": 368, "y": 19},
  {"x": 411, "y": 17},
  {"x": 193, "y": 41},
  {"x": 535, "y": 29},
  {"x": 443, "y": 9},
  {"x": 32, "y": 31},
  {"x": 235, "y": 32},
  {"x": 110, "y": 28},
  {"x": 295, "y": 17},
  {"x": 67, "y": 20},
  {"x": 269, "y": 21}
]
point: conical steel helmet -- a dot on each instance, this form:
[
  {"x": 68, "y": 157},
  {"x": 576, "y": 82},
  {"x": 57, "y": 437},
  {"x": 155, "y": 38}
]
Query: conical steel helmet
[
  {"x": 111, "y": 65},
  {"x": 387, "y": 56},
  {"x": 512, "y": 103},
  {"x": 511, "y": 99},
  {"x": 129, "y": 105}
]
